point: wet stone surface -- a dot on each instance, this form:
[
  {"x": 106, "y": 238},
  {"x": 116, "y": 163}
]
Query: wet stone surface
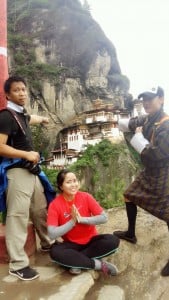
[
  {"x": 54, "y": 282},
  {"x": 47, "y": 284}
]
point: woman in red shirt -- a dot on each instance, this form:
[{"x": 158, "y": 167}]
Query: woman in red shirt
[{"x": 73, "y": 215}]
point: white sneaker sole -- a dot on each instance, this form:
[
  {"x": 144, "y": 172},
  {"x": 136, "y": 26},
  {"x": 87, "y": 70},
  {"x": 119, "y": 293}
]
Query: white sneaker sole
[{"x": 75, "y": 271}]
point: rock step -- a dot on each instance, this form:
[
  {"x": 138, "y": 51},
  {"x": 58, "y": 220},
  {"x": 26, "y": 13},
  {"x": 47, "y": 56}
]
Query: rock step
[
  {"x": 111, "y": 292},
  {"x": 76, "y": 289}
]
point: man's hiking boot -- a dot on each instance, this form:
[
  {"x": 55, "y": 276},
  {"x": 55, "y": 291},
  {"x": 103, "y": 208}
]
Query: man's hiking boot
[
  {"x": 123, "y": 235},
  {"x": 165, "y": 270}
]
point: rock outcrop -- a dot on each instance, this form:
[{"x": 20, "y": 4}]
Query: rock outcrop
[{"x": 66, "y": 58}]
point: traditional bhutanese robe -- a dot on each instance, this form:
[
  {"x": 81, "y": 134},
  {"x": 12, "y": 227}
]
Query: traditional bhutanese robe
[{"x": 150, "y": 189}]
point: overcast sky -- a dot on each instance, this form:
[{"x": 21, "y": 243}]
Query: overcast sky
[{"x": 139, "y": 30}]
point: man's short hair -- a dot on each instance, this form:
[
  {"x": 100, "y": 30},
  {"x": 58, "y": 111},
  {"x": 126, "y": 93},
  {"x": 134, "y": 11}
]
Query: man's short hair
[{"x": 10, "y": 80}]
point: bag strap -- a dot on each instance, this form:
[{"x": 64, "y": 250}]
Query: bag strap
[
  {"x": 158, "y": 124},
  {"x": 14, "y": 114}
]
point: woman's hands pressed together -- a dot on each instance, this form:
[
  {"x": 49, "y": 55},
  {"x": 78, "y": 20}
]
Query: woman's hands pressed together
[{"x": 75, "y": 214}]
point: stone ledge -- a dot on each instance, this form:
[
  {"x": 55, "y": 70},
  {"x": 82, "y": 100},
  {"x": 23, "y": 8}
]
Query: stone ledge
[
  {"x": 76, "y": 289},
  {"x": 111, "y": 292}
]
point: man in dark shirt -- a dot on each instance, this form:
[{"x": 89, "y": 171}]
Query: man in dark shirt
[{"x": 25, "y": 194}]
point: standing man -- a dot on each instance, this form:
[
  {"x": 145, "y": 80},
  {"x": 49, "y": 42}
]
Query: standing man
[
  {"x": 25, "y": 194},
  {"x": 150, "y": 189}
]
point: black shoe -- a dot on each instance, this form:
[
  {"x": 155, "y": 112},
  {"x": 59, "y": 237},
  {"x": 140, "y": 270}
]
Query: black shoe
[
  {"x": 26, "y": 273},
  {"x": 123, "y": 235},
  {"x": 165, "y": 270}
]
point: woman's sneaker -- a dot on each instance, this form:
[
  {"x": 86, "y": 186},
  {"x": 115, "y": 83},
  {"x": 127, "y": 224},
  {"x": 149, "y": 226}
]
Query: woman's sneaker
[
  {"x": 75, "y": 271},
  {"x": 108, "y": 268},
  {"x": 26, "y": 273}
]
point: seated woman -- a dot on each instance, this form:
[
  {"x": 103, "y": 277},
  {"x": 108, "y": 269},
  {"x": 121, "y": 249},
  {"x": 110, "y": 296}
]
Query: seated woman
[{"x": 73, "y": 215}]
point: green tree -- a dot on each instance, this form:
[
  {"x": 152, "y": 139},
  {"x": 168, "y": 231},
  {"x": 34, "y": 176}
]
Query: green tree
[
  {"x": 40, "y": 139},
  {"x": 105, "y": 170}
]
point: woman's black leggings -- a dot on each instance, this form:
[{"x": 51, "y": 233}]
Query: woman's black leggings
[{"x": 81, "y": 256}]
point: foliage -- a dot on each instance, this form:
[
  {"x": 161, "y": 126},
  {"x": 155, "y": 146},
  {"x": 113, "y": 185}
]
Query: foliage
[
  {"x": 26, "y": 65},
  {"x": 40, "y": 139},
  {"x": 40, "y": 3},
  {"x": 41, "y": 71},
  {"x": 51, "y": 174},
  {"x": 19, "y": 8},
  {"x": 111, "y": 195},
  {"x": 102, "y": 151},
  {"x": 2, "y": 217},
  {"x": 104, "y": 170}
]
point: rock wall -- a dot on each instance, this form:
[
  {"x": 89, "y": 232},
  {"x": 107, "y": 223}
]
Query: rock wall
[{"x": 66, "y": 58}]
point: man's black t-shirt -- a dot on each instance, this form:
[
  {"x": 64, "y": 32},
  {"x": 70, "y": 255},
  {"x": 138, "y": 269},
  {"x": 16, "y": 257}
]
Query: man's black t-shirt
[{"x": 16, "y": 138}]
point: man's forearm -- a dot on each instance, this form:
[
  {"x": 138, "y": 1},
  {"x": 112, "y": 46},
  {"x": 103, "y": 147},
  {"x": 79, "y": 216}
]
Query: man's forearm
[
  {"x": 8, "y": 151},
  {"x": 35, "y": 119}
]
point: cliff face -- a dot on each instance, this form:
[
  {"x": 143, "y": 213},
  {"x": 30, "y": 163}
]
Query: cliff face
[{"x": 66, "y": 58}]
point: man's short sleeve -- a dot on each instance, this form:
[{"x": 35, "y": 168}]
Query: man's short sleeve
[{"x": 7, "y": 123}]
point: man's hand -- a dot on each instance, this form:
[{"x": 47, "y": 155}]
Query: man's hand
[
  {"x": 139, "y": 129},
  {"x": 32, "y": 156},
  {"x": 45, "y": 120},
  {"x": 38, "y": 120}
]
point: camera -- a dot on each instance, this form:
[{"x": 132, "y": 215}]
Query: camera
[{"x": 33, "y": 168}]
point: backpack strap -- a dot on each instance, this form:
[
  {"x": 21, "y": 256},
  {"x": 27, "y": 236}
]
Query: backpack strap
[
  {"x": 14, "y": 114},
  {"x": 158, "y": 124},
  {"x": 165, "y": 118}
]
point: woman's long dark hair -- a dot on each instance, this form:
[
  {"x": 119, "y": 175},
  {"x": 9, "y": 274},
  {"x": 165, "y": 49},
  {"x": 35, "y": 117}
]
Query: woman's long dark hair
[{"x": 61, "y": 177}]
